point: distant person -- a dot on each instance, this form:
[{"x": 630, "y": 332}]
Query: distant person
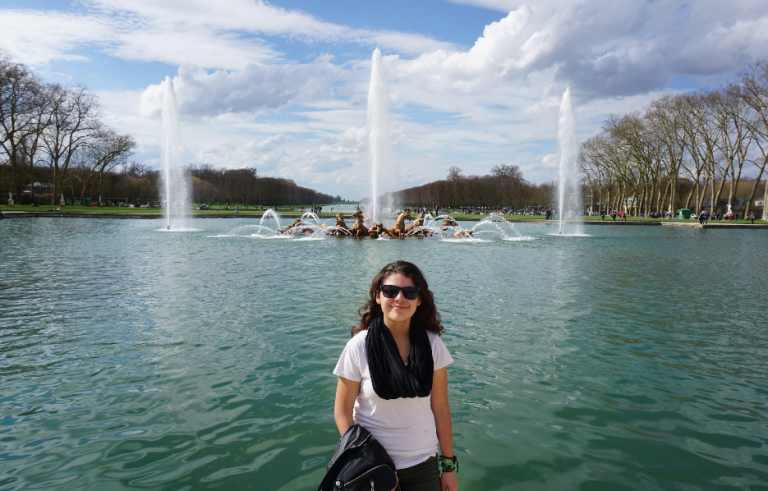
[
  {"x": 613, "y": 215},
  {"x": 751, "y": 216},
  {"x": 602, "y": 215}
]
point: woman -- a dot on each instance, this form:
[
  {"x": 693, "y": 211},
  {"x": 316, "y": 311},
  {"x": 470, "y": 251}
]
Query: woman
[{"x": 393, "y": 379}]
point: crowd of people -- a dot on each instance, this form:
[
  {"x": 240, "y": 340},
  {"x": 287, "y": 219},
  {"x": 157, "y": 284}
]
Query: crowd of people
[
  {"x": 621, "y": 214},
  {"x": 485, "y": 210},
  {"x": 704, "y": 216}
]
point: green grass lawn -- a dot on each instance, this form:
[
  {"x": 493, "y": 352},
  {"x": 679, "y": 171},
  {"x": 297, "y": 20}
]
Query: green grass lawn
[
  {"x": 634, "y": 219},
  {"x": 220, "y": 210},
  {"x": 629, "y": 219},
  {"x": 80, "y": 209},
  {"x": 157, "y": 211},
  {"x": 594, "y": 218}
]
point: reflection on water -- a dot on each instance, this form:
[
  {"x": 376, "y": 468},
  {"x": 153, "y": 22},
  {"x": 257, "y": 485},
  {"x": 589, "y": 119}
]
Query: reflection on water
[{"x": 632, "y": 359}]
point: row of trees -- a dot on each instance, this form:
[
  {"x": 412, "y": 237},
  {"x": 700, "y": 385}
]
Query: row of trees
[
  {"x": 56, "y": 127},
  {"x": 137, "y": 182},
  {"x": 683, "y": 149},
  {"x": 503, "y": 187},
  {"x": 211, "y": 185}
]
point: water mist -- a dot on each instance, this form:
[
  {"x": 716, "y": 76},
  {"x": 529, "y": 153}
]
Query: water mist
[
  {"x": 175, "y": 193},
  {"x": 378, "y": 129},
  {"x": 569, "y": 202}
]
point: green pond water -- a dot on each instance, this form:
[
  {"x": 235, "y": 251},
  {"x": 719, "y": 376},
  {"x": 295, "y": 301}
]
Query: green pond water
[{"x": 131, "y": 359}]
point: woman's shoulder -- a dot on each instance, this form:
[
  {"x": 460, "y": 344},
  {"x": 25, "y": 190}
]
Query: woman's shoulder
[
  {"x": 432, "y": 336},
  {"x": 358, "y": 340},
  {"x": 435, "y": 339},
  {"x": 440, "y": 353}
]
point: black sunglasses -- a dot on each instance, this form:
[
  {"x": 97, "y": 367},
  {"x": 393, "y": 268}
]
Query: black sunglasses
[{"x": 391, "y": 291}]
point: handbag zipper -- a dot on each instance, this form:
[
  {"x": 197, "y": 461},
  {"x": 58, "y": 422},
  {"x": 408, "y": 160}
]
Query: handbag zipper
[{"x": 348, "y": 483}]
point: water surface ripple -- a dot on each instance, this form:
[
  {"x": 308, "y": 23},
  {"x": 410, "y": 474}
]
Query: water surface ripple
[{"x": 631, "y": 359}]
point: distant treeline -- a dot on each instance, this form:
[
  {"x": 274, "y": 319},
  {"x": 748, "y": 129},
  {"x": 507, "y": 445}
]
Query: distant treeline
[
  {"x": 136, "y": 182},
  {"x": 211, "y": 185},
  {"x": 503, "y": 187}
]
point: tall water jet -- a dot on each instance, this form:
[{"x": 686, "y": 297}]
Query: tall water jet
[
  {"x": 378, "y": 128},
  {"x": 175, "y": 194},
  {"x": 569, "y": 202}
]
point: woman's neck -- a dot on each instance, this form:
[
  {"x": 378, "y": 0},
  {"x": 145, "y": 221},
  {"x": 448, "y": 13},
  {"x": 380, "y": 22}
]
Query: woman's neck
[{"x": 401, "y": 331}]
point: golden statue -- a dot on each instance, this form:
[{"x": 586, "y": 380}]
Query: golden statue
[
  {"x": 359, "y": 229},
  {"x": 399, "y": 229}
]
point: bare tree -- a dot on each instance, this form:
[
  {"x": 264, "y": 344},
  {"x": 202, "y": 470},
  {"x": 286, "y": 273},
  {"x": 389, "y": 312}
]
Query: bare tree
[
  {"x": 666, "y": 119},
  {"x": 455, "y": 173},
  {"x": 693, "y": 112},
  {"x": 753, "y": 82},
  {"x": 19, "y": 94},
  {"x": 736, "y": 139},
  {"x": 636, "y": 157},
  {"x": 40, "y": 119},
  {"x": 74, "y": 121},
  {"x": 105, "y": 151}
]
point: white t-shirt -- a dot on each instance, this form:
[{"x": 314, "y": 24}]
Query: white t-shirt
[{"x": 406, "y": 426}]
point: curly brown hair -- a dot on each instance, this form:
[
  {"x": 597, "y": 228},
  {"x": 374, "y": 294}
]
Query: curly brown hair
[{"x": 426, "y": 313}]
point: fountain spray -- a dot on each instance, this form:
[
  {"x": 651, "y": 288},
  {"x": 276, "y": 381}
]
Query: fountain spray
[
  {"x": 378, "y": 126},
  {"x": 569, "y": 191},
  {"x": 174, "y": 183}
]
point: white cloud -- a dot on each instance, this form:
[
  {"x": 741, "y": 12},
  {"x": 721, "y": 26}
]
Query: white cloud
[
  {"x": 607, "y": 48},
  {"x": 260, "y": 18},
  {"x": 508, "y": 5},
  {"x": 201, "y": 47},
  {"x": 37, "y": 38},
  {"x": 227, "y": 34},
  {"x": 254, "y": 89}
]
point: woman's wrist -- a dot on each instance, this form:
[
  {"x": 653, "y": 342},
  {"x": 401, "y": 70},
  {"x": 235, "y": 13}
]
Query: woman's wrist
[{"x": 449, "y": 463}]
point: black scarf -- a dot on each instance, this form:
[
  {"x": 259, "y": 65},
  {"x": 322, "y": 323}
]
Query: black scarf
[{"x": 391, "y": 377}]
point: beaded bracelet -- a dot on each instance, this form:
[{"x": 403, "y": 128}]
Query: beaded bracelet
[{"x": 449, "y": 464}]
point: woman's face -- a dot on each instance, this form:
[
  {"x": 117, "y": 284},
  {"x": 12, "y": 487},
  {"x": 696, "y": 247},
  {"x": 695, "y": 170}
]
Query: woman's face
[{"x": 399, "y": 309}]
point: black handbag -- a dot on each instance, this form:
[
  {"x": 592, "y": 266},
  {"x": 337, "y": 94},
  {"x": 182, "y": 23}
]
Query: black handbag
[{"x": 359, "y": 463}]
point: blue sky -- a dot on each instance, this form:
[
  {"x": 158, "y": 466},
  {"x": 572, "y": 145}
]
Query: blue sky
[{"x": 282, "y": 86}]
